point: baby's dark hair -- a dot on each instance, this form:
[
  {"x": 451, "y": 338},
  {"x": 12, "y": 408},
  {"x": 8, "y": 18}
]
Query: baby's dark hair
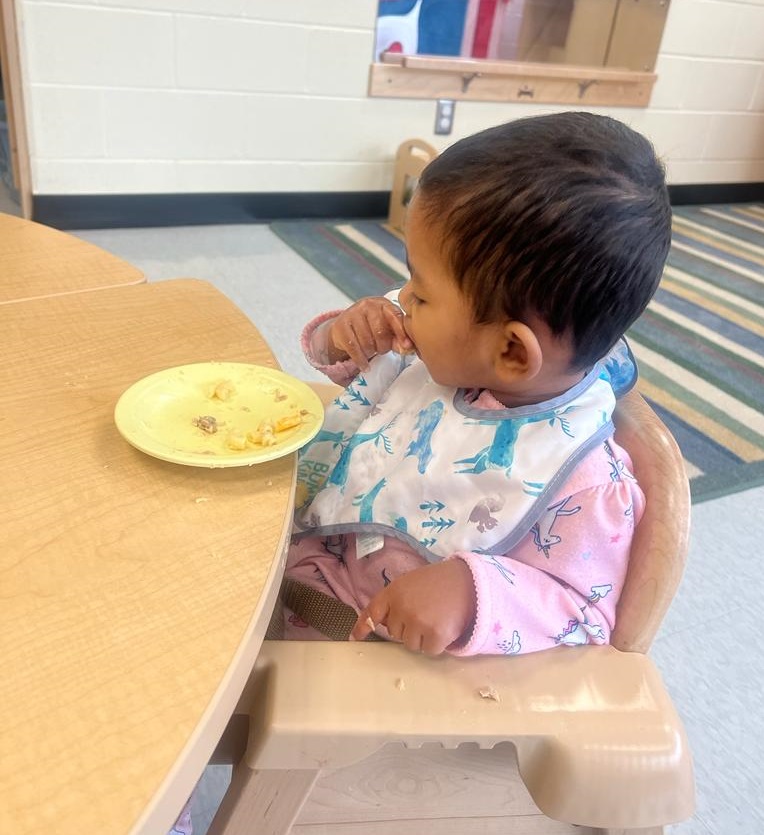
[{"x": 565, "y": 217}]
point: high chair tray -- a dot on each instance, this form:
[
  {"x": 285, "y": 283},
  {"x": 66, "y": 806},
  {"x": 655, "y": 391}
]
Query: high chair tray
[{"x": 598, "y": 741}]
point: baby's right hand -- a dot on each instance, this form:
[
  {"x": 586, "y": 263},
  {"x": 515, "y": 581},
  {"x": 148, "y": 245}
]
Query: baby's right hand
[{"x": 369, "y": 327}]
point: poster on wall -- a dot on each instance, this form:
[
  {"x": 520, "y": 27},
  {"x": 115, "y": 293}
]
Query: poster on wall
[{"x": 467, "y": 28}]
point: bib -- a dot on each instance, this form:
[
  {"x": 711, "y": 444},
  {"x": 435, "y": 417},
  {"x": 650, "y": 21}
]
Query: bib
[{"x": 400, "y": 455}]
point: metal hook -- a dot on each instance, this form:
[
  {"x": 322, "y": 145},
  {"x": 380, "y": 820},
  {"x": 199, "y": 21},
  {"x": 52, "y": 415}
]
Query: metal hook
[{"x": 468, "y": 79}]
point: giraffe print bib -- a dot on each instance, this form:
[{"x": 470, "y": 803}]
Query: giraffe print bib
[{"x": 400, "y": 455}]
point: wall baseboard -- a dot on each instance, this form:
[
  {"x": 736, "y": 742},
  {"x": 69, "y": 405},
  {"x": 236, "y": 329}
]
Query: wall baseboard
[
  {"x": 694, "y": 193},
  {"x": 114, "y": 211}
]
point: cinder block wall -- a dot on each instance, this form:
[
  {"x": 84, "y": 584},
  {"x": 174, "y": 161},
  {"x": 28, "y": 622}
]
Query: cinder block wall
[{"x": 185, "y": 96}]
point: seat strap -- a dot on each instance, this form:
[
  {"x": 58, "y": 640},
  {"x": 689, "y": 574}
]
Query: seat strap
[{"x": 331, "y": 617}]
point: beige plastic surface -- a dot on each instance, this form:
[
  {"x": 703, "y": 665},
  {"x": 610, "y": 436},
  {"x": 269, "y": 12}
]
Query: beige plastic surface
[
  {"x": 659, "y": 548},
  {"x": 597, "y": 738}
]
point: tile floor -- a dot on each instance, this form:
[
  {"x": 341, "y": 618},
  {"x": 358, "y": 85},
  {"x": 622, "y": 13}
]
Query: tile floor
[{"x": 709, "y": 651}]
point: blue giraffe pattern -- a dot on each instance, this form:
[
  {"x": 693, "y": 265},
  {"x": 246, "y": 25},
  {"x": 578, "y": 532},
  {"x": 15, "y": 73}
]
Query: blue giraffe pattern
[
  {"x": 366, "y": 502},
  {"x": 322, "y": 436},
  {"x": 426, "y": 422},
  {"x": 500, "y": 454},
  {"x": 340, "y": 472},
  {"x": 357, "y": 396}
]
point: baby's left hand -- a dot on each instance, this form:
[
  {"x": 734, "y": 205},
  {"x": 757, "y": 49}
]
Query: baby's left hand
[{"x": 426, "y": 610}]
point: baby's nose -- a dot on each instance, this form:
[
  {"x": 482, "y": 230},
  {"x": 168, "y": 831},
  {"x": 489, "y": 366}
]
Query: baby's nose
[{"x": 404, "y": 298}]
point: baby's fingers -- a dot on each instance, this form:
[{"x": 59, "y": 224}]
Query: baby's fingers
[
  {"x": 401, "y": 343},
  {"x": 364, "y": 626},
  {"x": 346, "y": 338},
  {"x": 375, "y": 613}
]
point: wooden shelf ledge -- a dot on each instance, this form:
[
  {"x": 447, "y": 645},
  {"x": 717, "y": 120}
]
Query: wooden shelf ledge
[{"x": 465, "y": 79}]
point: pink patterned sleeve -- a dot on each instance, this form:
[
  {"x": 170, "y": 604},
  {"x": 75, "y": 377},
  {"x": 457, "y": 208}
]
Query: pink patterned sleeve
[
  {"x": 561, "y": 583},
  {"x": 315, "y": 346}
]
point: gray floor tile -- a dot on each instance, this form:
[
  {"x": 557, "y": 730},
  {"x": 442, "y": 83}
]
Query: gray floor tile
[{"x": 278, "y": 290}]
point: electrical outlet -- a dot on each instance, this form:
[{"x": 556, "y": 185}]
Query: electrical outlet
[{"x": 444, "y": 115}]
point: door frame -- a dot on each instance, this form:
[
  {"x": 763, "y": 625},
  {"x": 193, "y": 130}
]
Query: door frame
[{"x": 14, "y": 105}]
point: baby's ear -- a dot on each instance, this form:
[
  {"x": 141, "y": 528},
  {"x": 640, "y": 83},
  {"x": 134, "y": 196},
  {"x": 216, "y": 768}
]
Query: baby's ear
[{"x": 520, "y": 356}]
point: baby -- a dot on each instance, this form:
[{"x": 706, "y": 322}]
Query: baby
[{"x": 465, "y": 493}]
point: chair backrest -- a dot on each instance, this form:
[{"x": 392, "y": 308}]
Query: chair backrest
[{"x": 659, "y": 549}]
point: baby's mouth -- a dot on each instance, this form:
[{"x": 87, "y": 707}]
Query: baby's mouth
[
  {"x": 409, "y": 349},
  {"x": 399, "y": 349}
]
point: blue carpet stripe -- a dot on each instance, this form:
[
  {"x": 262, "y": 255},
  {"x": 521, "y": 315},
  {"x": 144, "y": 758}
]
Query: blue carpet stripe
[
  {"x": 731, "y": 374},
  {"x": 711, "y": 320},
  {"x": 703, "y": 248},
  {"x": 729, "y": 227},
  {"x": 745, "y": 213},
  {"x": 377, "y": 233},
  {"x": 696, "y": 447},
  {"x": 743, "y": 286},
  {"x": 736, "y": 226}
]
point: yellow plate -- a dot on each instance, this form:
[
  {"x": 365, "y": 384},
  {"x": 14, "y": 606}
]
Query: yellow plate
[{"x": 160, "y": 414}]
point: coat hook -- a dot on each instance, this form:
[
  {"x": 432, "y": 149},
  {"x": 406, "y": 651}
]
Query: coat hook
[
  {"x": 583, "y": 86},
  {"x": 468, "y": 79},
  {"x": 525, "y": 90}
]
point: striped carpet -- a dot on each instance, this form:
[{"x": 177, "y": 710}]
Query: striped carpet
[{"x": 700, "y": 344}]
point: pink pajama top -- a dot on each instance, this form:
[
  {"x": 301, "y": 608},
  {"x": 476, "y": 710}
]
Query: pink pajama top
[{"x": 559, "y": 577}]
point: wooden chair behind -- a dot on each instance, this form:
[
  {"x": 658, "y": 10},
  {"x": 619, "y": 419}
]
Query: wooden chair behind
[{"x": 410, "y": 160}]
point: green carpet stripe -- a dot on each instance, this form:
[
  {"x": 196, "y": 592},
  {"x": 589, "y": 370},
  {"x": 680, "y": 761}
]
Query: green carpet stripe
[
  {"x": 655, "y": 339},
  {"x": 706, "y": 233},
  {"x": 698, "y": 404},
  {"x": 716, "y": 298},
  {"x": 732, "y": 282},
  {"x": 731, "y": 223},
  {"x": 394, "y": 275}
]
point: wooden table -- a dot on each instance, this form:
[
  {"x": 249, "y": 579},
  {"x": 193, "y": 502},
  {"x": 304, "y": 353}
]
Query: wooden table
[
  {"x": 37, "y": 261},
  {"x": 134, "y": 593}
]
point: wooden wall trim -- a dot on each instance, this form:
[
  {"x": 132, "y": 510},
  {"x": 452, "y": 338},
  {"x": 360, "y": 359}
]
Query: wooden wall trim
[{"x": 14, "y": 102}]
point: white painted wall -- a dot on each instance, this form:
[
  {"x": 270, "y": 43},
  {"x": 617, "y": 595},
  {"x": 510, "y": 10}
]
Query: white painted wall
[{"x": 156, "y": 96}]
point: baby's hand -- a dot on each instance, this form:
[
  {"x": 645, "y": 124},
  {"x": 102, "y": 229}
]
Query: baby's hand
[
  {"x": 426, "y": 610},
  {"x": 369, "y": 327}
]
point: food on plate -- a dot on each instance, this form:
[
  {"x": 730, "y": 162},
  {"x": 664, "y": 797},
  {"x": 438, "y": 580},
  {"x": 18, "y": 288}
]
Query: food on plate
[
  {"x": 236, "y": 440},
  {"x": 207, "y": 423},
  {"x": 265, "y": 434},
  {"x": 221, "y": 390}
]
